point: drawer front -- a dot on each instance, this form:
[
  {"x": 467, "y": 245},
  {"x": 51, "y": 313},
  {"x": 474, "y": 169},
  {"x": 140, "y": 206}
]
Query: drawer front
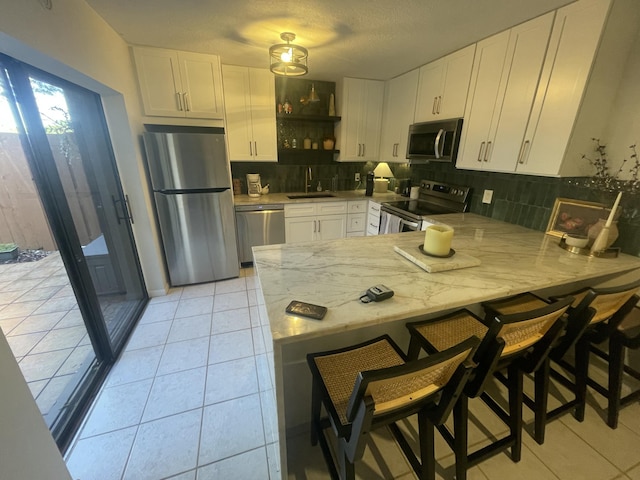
[
  {"x": 355, "y": 234},
  {"x": 372, "y": 229},
  {"x": 359, "y": 206},
  {"x": 374, "y": 209},
  {"x": 299, "y": 210},
  {"x": 356, "y": 223},
  {"x": 331, "y": 208}
]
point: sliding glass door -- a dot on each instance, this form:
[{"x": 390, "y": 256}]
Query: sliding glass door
[{"x": 64, "y": 137}]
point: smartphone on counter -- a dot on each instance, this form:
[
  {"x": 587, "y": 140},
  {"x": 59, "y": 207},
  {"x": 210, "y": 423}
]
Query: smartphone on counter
[{"x": 305, "y": 309}]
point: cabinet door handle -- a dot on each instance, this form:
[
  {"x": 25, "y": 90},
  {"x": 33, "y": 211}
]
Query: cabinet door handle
[
  {"x": 318, "y": 226},
  {"x": 250, "y": 150},
  {"x": 363, "y": 146},
  {"x": 186, "y": 101},
  {"x": 524, "y": 151},
  {"x": 433, "y": 107},
  {"x": 255, "y": 148},
  {"x": 179, "y": 101},
  {"x": 487, "y": 152},
  {"x": 480, "y": 153},
  {"x": 439, "y": 104}
]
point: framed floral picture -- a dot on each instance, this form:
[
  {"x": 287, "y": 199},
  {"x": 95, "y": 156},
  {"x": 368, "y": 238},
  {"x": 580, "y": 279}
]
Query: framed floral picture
[{"x": 575, "y": 216}]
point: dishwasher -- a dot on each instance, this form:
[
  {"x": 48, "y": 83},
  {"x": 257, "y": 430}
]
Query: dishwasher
[{"x": 258, "y": 225}]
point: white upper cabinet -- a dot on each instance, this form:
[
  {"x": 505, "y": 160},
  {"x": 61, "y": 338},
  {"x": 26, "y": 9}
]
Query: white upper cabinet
[
  {"x": 398, "y": 111},
  {"x": 443, "y": 86},
  {"x": 179, "y": 84},
  {"x": 554, "y": 92},
  {"x": 585, "y": 62},
  {"x": 359, "y": 133},
  {"x": 250, "y": 99},
  {"x": 503, "y": 85}
]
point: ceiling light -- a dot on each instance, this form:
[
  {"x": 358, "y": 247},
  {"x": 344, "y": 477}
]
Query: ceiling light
[{"x": 288, "y": 59}]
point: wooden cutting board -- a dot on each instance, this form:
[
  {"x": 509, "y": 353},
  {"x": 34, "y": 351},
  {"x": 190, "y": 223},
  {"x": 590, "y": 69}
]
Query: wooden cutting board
[{"x": 435, "y": 264}]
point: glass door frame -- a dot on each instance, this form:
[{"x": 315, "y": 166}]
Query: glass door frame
[{"x": 50, "y": 188}]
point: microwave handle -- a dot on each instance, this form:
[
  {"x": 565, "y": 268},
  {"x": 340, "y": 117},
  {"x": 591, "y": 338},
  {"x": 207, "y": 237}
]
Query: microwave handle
[{"x": 437, "y": 149}]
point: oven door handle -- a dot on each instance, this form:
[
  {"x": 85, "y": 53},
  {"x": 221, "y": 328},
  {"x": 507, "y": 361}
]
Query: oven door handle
[
  {"x": 437, "y": 149},
  {"x": 411, "y": 225}
]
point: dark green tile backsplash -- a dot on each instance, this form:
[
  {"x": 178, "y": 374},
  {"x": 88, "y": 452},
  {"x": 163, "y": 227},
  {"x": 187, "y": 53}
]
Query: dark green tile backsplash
[{"x": 520, "y": 199}]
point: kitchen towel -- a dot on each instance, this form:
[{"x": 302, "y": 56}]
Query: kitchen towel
[
  {"x": 384, "y": 217},
  {"x": 393, "y": 223}
]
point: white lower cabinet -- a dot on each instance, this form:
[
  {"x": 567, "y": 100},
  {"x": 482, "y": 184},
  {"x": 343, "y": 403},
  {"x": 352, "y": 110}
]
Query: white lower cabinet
[
  {"x": 373, "y": 218},
  {"x": 304, "y": 222},
  {"x": 356, "y": 218}
]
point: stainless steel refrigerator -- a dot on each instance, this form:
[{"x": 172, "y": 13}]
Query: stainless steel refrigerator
[{"x": 191, "y": 185}]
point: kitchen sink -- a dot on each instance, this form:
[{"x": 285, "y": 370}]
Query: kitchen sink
[{"x": 311, "y": 195}]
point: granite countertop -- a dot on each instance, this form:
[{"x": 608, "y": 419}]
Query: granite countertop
[
  {"x": 336, "y": 273},
  {"x": 342, "y": 195}
]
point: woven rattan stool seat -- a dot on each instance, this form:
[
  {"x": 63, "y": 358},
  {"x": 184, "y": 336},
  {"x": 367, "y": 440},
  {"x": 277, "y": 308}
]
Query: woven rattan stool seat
[
  {"x": 371, "y": 385},
  {"x": 450, "y": 331},
  {"x": 511, "y": 344},
  {"x": 339, "y": 371}
]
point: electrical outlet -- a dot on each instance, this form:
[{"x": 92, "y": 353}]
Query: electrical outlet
[
  {"x": 487, "y": 196},
  {"x": 357, "y": 177}
]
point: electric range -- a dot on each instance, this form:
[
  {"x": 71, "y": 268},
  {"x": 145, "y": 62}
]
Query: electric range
[{"x": 434, "y": 198}]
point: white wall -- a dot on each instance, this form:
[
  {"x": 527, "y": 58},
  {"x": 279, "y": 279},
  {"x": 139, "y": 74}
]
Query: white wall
[
  {"x": 73, "y": 42},
  {"x": 27, "y": 449}
]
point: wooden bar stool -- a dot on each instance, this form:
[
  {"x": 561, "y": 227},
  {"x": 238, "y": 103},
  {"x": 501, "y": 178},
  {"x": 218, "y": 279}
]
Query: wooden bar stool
[
  {"x": 594, "y": 314},
  {"x": 371, "y": 385},
  {"x": 518, "y": 342},
  {"x": 627, "y": 335}
]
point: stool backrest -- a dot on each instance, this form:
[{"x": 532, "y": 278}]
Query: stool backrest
[
  {"x": 520, "y": 334},
  {"x": 406, "y": 387},
  {"x": 593, "y": 307},
  {"x": 531, "y": 333}
]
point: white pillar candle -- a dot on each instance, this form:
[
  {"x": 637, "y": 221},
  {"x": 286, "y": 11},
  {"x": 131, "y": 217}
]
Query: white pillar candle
[
  {"x": 613, "y": 210},
  {"x": 437, "y": 240}
]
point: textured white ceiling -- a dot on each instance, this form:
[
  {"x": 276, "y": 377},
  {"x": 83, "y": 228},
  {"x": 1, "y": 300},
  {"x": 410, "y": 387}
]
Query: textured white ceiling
[{"x": 377, "y": 39}]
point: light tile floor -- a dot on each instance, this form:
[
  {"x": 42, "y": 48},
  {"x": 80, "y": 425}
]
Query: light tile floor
[
  {"x": 189, "y": 399},
  {"x": 39, "y": 316}
]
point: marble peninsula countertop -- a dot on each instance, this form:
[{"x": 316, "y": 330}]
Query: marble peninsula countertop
[
  {"x": 336, "y": 273},
  {"x": 342, "y": 195}
]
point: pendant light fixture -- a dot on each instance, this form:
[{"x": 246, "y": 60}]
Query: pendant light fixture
[
  {"x": 313, "y": 96},
  {"x": 287, "y": 59}
]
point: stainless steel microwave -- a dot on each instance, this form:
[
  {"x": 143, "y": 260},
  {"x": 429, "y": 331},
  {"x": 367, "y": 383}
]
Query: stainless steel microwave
[{"x": 434, "y": 141}]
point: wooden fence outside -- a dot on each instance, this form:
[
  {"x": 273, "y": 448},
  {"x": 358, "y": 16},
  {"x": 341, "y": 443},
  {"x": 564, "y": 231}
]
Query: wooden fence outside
[{"x": 22, "y": 218}]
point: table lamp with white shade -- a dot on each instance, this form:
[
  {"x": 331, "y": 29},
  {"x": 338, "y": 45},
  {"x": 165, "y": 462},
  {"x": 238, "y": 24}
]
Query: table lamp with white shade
[{"x": 381, "y": 184}]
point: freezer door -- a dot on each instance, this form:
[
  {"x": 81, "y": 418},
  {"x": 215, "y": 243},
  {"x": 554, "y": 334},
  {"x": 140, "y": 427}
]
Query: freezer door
[
  {"x": 187, "y": 161},
  {"x": 198, "y": 235}
]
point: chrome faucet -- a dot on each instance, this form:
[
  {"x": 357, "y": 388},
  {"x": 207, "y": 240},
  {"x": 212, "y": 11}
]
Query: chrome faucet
[{"x": 307, "y": 179}]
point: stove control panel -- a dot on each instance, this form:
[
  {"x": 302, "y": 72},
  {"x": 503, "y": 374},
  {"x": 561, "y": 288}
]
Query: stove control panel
[{"x": 456, "y": 193}]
